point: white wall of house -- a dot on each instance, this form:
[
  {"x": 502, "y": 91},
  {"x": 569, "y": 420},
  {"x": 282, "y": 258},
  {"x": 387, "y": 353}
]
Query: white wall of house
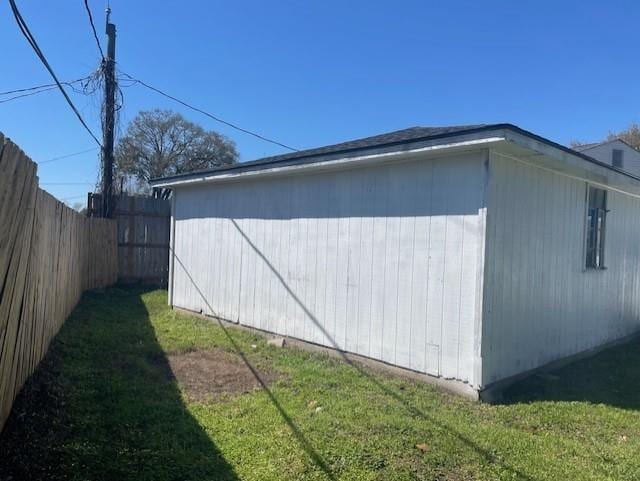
[
  {"x": 381, "y": 261},
  {"x": 540, "y": 304},
  {"x": 604, "y": 153}
]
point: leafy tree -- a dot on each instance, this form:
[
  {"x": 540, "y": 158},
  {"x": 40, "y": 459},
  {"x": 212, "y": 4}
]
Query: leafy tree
[{"x": 159, "y": 143}]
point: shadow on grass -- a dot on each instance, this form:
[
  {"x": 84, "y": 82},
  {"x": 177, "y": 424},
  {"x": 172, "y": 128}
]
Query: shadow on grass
[
  {"x": 304, "y": 443},
  {"x": 611, "y": 377},
  {"x": 485, "y": 453},
  {"x": 104, "y": 405}
]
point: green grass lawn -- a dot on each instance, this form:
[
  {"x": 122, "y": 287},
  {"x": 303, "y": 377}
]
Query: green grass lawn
[{"x": 103, "y": 406}]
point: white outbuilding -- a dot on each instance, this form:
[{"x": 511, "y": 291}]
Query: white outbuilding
[{"x": 474, "y": 254}]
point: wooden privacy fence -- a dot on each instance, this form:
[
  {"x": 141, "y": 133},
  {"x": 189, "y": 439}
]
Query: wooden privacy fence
[
  {"x": 143, "y": 239},
  {"x": 49, "y": 254},
  {"x": 143, "y": 236}
]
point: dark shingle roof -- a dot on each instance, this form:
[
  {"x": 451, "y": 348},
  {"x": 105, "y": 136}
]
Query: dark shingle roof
[
  {"x": 412, "y": 134},
  {"x": 390, "y": 138},
  {"x": 400, "y": 138}
]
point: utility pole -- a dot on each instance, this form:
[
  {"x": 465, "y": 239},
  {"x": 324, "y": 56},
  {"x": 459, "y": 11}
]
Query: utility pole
[{"x": 109, "y": 67}]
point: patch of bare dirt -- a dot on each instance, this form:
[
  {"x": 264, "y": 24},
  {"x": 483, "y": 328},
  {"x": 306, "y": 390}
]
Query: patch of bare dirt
[{"x": 204, "y": 375}]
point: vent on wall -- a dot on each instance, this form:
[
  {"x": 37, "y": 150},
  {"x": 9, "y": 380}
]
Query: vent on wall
[{"x": 617, "y": 158}]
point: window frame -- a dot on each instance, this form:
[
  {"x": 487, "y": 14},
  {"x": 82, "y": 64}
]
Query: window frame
[
  {"x": 620, "y": 153},
  {"x": 595, "y": 262}
]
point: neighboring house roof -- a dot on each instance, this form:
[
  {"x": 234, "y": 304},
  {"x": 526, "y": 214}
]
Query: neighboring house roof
[
  {"x": 403, "y": 139},
  {"x": 584, "y": 147}
]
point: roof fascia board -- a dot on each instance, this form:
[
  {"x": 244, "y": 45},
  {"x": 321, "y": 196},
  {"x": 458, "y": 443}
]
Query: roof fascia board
[
  {"x": 566, "y": 161},
  {"x": 374, "y": 156}
]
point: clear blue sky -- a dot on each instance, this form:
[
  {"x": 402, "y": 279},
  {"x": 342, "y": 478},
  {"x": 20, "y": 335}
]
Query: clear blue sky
[{"x": 317, "y": 72}]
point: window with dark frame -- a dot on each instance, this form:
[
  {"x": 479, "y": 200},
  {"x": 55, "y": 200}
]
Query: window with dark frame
[
  {"x": 617, "y": 158},
  {"x": 596, "y": 224}
]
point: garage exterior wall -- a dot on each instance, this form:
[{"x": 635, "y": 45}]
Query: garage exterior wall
[
  {"x": 540, "y": 303},
  {"x": 384, "y": 261}
]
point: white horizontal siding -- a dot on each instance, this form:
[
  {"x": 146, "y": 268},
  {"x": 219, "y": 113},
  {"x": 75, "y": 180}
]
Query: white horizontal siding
[
  {"x": 540, "y": 304},
  {"x": 379, "y": 261}
]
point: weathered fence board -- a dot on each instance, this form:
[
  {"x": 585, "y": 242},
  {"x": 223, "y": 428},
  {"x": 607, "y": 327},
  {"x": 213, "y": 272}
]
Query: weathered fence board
[
  {"x": 143, "y": 239},
  {"x": 49, "y": 254},
  {"x": 143, "y": 236}
]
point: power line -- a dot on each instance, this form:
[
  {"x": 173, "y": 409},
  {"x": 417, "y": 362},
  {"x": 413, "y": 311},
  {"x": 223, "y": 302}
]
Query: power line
[
  {"x": 32, "y": 41},
  {"x": 38, "y": 87},
  {"x": 28, "y": 94},
  {"x": 67, "y": 156},
  {"x": 93, "y": 27},
  {"x": 38, "y": 90},
  {"x": 217, "y": 119}
]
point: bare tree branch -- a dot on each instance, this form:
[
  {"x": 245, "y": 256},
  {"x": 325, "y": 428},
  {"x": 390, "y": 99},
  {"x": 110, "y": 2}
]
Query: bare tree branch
[{"x": 158, "y": 143}]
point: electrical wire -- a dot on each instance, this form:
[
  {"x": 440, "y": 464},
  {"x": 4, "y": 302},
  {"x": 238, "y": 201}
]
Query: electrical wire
[
  {"x": 93, "y": 27},
  {"x": 67, "y": 156},
  {"x": 217, "y": 119},
  {"x": 34, "y": 45},
  {"x": 38, "y": 87},
  {"x": 28, "y": 92}
]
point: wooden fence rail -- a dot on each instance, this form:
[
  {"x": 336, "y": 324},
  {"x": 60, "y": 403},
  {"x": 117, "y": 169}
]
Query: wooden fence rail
[{"x": 49, "y": 254}]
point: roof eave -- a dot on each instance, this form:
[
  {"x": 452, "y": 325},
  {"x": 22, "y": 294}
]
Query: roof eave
[
  {"x": 408, "y": 150},
  {"x": 464, "y": 140},
  {"x": 561, "y": 159}
]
